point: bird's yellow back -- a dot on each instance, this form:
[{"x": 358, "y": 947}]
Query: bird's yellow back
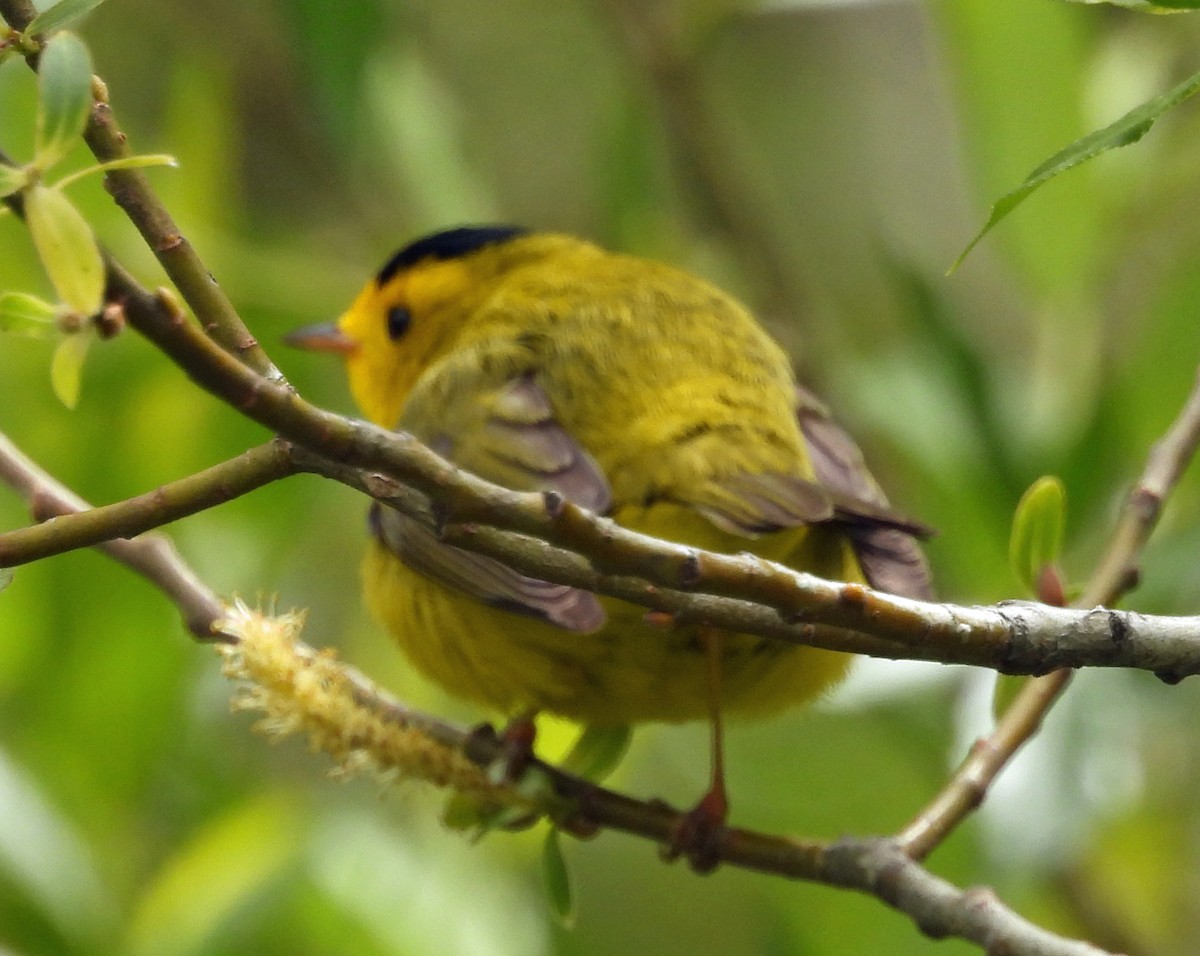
[{"x": 542, "y": 361}]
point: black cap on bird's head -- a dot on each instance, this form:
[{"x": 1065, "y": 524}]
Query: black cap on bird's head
[
  {"x": 447, "y": 244},
  {"x": 439, "y": 246},
  {"x": 397, "y": 324}
]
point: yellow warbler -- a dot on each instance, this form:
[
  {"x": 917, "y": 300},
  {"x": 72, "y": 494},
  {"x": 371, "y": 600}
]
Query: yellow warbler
[{"x": 543, "y": 362}]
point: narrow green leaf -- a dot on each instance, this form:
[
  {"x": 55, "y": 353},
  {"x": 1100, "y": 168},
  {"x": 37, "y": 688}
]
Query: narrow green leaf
[
  {"x": 67, "y": 248},
  {"x": 58, "y": 16},
  {"x": 24, "y": 314},
  {"x": 65, "y": 98},
  {"x": 598, "y": 751},
  {"x": 126, "y": 162},
  {"x": 1128, "y": 129},
  {"x": 557, "y": 879},
  {"x": 1037, "y": 530},
  {"x": 6, "y": 577},
  {"x": 66, "y": 367},
  {"x": 12, "y": 179}
]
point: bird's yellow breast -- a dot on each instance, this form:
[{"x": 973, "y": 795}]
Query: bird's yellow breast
[{"x": 630, "y": 671}]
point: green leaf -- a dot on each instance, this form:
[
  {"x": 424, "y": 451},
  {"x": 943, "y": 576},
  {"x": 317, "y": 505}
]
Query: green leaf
[
  {"x": 67, "y": 248},
  {"x": 58, "y": 16},
  {"x": 24, "y": 314},
  {"x": 557, "y": 879},
  {"x": 125, "y": 162},
  {"x": 1128, "y": 129},
  {"x": 6, "y": 577},
  {"x": 1037, "y": 530},
  {"x": 66, "y": 367},
  {"x": 12, "y": 179},
  {"x": 65, "y": 98},
  {"x": 597, "y": 751}
]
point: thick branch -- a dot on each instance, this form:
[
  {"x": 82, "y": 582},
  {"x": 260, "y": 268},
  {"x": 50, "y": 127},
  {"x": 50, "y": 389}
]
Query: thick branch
[
  {"x": 736, "y": 592},
  {"x": 870, "y": 865}
]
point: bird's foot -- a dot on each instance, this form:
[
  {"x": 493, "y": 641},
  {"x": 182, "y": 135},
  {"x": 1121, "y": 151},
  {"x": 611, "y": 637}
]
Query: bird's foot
[
  {"x": 511, "y": 749},
  {"x": 700, "y": 832}
]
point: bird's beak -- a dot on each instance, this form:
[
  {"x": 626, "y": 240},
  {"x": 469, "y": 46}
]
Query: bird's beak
[{"x": 322, "y": 337}]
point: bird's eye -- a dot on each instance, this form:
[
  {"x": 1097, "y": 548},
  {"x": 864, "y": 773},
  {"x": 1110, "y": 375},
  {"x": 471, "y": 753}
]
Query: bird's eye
[{"x": 398, "y": 321}]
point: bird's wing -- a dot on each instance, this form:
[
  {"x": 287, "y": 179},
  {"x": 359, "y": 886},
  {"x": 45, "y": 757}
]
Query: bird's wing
[
  {"x": 509, "y": 436},
  {"x": 842, "y": 493},
  {"x": 753, "y": 504},
  {"x": 884, "y": 540}
]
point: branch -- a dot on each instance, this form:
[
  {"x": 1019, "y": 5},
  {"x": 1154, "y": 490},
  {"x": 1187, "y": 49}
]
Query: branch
[
  {"x": 873, "y": 866},
  {"x": 151, "y": 556},
  {"x": 84, "y": 526},
  {"x": 299, "y": 688},
  {"x": 1114, "y": 576},
  {"x": 1118, "y": 572},
  {"x": 546, "y": 537}
]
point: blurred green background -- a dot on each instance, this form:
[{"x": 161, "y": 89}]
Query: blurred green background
[{"x": 846, "y": 151}]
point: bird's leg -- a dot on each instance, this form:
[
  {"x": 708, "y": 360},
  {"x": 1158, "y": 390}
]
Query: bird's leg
[
  {"x": 516, "y": 746},
  {"x": 716, "y": 800},
  {"x": 699, "y": 833},
  {"x": 518, "y": 738}
]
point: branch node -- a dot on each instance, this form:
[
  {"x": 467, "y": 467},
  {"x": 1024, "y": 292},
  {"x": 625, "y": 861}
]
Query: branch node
[
  {"x": 1118, "y": 629},
  {"x": 690, "y": 570},
  {"x": 853, "y": 594},
  {"x": 169, "y": 303},
  {"x": 1145, "y": 503}
]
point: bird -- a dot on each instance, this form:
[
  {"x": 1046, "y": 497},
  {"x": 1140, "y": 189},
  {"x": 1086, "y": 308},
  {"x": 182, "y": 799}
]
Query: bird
[{"x": 640, "y": 392}]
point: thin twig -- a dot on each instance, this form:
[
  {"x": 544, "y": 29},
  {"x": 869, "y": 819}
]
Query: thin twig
[
  {"x": 151, "y": 556},
  {"x": 1115, "y": 574},
  {"x": 58, "y": 533},
  {"x": 969, "y": 784},
  {"x": 1117, "y": 571}
]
